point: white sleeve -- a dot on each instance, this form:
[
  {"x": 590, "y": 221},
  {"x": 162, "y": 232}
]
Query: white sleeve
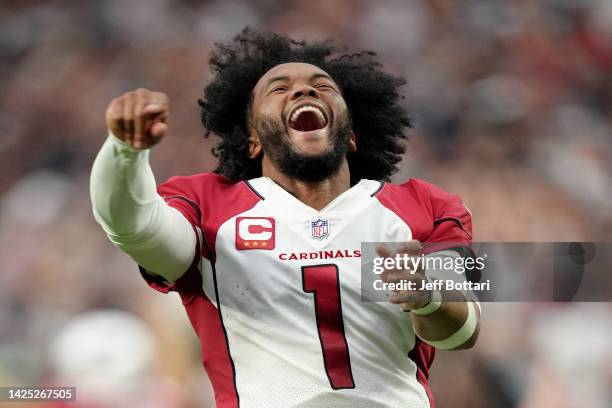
[{"x": 135, "y": 218}]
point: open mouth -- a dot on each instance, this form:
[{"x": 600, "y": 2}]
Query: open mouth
[{"x": 307, "y": 118}]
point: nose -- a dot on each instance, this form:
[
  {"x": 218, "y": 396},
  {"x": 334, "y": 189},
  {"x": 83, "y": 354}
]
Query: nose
[{"x": 305, "y": 90}]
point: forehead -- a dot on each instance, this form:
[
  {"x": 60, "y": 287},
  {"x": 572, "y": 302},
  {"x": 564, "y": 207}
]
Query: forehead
[{"x": 291, "y": 70}]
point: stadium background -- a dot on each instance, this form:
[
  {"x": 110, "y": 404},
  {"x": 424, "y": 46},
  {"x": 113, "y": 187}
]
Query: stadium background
[{"x": 512, "y": 102}]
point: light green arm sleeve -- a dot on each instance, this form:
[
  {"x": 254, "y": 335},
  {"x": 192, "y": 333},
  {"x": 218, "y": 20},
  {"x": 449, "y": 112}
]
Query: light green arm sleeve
[{"x": 135, "y": 218}]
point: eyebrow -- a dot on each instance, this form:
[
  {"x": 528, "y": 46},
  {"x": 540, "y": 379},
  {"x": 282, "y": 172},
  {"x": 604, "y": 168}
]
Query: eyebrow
[
  {"x": 286, "y": 78},
  {"x": 320, "y": 75}
]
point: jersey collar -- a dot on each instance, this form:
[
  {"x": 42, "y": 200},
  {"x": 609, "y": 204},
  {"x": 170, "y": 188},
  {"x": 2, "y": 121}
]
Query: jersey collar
[{"x": 267, "y": 189}]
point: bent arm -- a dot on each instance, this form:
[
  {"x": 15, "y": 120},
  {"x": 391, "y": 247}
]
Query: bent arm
[
  {"x": 135, "y": 218},
  {"x": 452, "y": 323},
  {"x": 453, "y": 326}
]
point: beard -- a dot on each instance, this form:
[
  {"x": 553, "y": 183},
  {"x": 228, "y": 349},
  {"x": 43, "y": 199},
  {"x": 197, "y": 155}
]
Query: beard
[{"x": 304, "y": 167}]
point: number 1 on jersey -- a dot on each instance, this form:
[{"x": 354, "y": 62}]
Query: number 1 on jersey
[{"x": 323, "y": 282}]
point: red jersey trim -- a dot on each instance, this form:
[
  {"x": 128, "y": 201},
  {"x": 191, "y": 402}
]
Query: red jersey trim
[
  {"x": 423, "y": 355},
  {"x": 207, "y": 201}
]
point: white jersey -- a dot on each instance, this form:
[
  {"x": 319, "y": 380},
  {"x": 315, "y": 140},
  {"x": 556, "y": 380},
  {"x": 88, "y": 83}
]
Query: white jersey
[{"x": 274, "y": 291}]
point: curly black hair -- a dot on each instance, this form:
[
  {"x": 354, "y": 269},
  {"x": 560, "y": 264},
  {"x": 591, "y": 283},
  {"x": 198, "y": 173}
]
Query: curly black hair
[{"x": 372, "y": 98}]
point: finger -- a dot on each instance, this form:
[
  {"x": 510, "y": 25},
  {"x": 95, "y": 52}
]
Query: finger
[
  {"x": 405, "y": 276},
  {"x": 384, "y": 251},
  {"x": 127, "y": 118},
  {"x": 156, "y": 111},
  {"x": 113, "y": 117},
  {"x": 139, "y": 125},
  {"x": 158, "y": 130},
  {"x": 152, "y": 109},
  {"x": 404, "y": 296},
  {"x": 161, "y": 99},
  {"x": 410, "y": 297},
  {"x": 413, "y": 247},
  {"x": 157, "y": 103},
  {"x": 139, "y": 139},
  {"x": 395, "y": 276}
]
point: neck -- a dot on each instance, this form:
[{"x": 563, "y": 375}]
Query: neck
[{"x": 316, "y": 195}]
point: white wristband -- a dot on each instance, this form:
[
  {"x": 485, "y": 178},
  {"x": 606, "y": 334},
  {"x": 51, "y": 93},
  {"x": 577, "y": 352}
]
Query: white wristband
[
  {"x": 433, "y": 305},
  {"x": 460, "y": 336}
]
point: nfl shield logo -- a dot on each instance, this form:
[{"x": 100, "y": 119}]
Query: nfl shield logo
[{"x": 319, "y": 228}]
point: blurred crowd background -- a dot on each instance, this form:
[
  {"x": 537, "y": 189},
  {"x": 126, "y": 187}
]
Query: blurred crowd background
[{"x": 512, "y": 102}]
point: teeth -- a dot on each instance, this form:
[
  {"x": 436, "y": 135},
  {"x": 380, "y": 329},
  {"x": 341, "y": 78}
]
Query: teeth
[{"x": 308, "y": 108}]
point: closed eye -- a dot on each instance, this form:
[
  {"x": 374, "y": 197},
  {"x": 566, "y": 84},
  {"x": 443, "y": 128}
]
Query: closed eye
[{"x": 279, "y": 89}]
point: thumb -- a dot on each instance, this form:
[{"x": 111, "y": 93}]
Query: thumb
[
  {"x": 158, "y": 129},
  {"x": 153, "y": 109}
]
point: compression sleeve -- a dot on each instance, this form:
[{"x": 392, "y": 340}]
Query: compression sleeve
[{"x": 135, "y": 218}]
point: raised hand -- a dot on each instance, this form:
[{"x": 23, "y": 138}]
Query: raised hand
[{"x": 139, "y": 117}]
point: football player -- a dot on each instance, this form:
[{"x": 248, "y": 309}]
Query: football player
[{"x": 265, "y": 252}]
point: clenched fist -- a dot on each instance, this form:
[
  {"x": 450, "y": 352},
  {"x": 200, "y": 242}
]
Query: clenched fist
[{"x": 139, "y": 117}]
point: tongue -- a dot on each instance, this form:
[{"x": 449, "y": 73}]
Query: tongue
[{"x": 306, "y": 122}]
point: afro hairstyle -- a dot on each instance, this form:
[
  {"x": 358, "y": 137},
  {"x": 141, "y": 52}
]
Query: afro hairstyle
[{"x": 371, "y": 95}]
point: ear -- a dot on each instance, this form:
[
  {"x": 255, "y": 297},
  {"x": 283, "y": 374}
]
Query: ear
[
  {"x": 352, "y": 143},
  {"x": 254, "y": 145}
]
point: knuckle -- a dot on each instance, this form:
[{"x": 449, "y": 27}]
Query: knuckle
[
  {"x": 143, "y": 93},
  {"x": 114, "y": 105},
  {"x": 161, "y": 96},
  {"x": 130, "y": 96}
]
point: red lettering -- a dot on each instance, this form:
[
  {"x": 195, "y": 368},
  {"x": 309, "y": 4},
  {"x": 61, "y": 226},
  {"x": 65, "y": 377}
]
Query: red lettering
[{"x": 338, "y": 253}]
